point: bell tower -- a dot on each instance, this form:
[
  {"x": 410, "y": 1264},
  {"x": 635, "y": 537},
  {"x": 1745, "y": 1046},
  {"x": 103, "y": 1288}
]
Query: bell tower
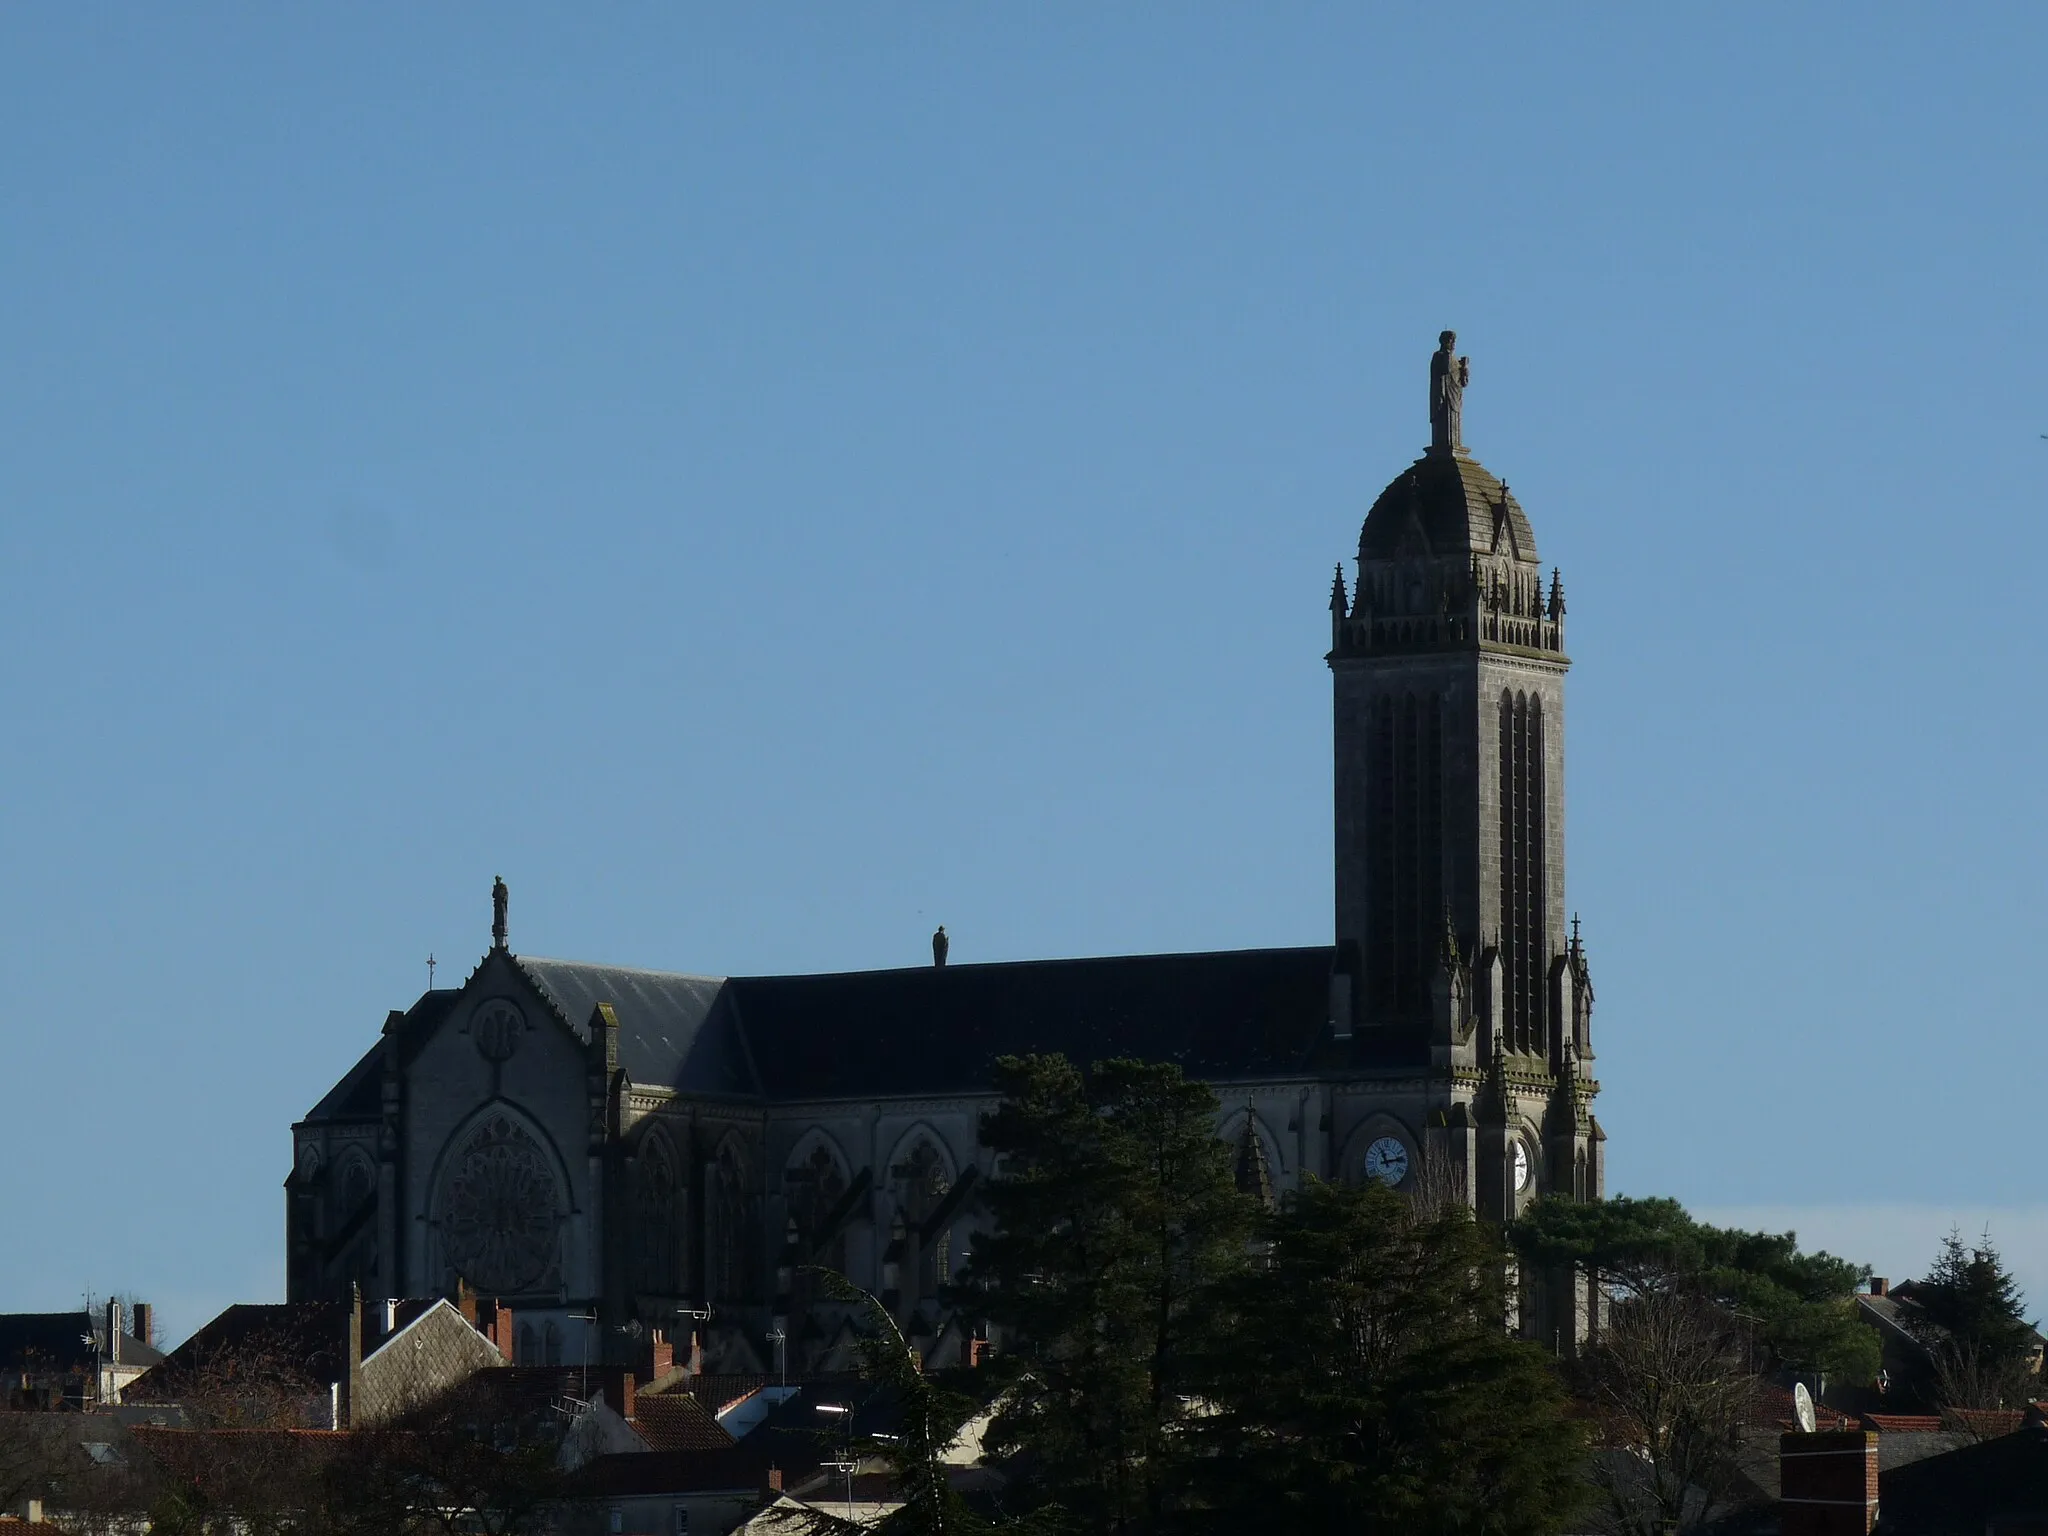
[{"x": 1448, "y": 662}]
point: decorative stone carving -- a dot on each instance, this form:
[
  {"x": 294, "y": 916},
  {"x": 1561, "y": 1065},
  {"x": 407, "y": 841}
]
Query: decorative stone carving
[
  {"x": 495, "y": 1029},
  {"x": 500, "y": 1210}
]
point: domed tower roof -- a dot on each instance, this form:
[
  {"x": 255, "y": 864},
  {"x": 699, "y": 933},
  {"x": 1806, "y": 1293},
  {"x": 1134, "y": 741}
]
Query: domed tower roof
[{"x": 1446, "y": 504}]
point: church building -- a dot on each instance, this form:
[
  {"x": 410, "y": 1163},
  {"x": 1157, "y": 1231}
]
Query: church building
[{"x": 610, "y": 1150}]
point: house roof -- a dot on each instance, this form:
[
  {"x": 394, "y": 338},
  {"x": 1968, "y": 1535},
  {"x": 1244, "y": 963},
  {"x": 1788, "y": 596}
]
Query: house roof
[
  {"x": 625, "y": 1474},
  {"x": 676, "y": 1421},
  {"x": 309, "y": 1338},
  {"x": 57, "y": 1341},
  {"x": 1964, "y": 1489}
]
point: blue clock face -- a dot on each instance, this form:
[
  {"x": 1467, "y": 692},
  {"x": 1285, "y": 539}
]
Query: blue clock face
[{"x": 1387, "y": 1160}]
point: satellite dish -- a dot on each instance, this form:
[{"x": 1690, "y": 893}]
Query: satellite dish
[{"x": 1802, "y": 1408}]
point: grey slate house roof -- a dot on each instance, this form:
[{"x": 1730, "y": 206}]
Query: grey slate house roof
[{"x": 57, "y": 1341}]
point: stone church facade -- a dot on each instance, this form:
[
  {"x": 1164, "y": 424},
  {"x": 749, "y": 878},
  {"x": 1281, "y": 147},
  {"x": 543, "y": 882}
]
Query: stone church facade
[{"x": 611, "y": 1150}]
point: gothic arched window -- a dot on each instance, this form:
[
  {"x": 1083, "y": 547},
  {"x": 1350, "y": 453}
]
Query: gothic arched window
[
  {"x": 357, "y": 1184},
  {"x": 726, "y": 1270},
  {"x": 923, "y": 1181},
  {"x": 1524, "y": 943},
  {"x": 1404, "y": 831},
  {"x": 656, "y": 1186},
  {"x": 814, "y": 1185}
]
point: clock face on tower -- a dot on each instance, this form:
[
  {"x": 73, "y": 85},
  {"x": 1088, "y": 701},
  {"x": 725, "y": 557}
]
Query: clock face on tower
[
  {"x": 1387, "y": 1160},
  {"x": 1524, "y": 1167}
]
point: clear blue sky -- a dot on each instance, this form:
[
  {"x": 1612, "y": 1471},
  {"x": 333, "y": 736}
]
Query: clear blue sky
[{"x": 768, "y": 480}]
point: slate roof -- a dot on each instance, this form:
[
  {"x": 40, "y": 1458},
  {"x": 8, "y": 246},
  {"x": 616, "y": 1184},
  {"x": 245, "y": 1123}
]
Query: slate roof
[
  {"x": 1963, "y": 1491},
  {"x": 866, "y": 1034},
  {"x": 1455, "y": 501},
  {"x": 56, "y": 1341},
  {"x": 1223, "y": 1016},
  {"x": 674, "y": 1029},
  {"x": 309, "y": 1337},
  {"x": 359, "y": 1094}
]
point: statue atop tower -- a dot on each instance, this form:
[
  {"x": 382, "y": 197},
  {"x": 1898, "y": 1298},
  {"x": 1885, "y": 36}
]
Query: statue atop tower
[{"x": 1448, "y": 376}]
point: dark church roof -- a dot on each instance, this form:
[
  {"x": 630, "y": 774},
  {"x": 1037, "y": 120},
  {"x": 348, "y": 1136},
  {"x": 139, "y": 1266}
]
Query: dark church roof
[
  {"x": 674, "y": 1029},
  {"x": 1456, "y": 504},
  {"x": 1232, "y": 1014},
  {"x": 866, "y": 1034}
]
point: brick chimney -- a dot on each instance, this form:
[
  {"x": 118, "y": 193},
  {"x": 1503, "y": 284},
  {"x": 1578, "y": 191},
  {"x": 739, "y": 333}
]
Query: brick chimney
[
  {"x": 465, "y": 1301},
  {"x": 1828, "y": 1483},
  {"x": 1879, "y": 1285},
  {"x": 775, "y": 1479},
  {"x": 143, "y": 1326},
  {"x": 658, "y": 1359},
  {"x": 352, "y": 1368},
  {"x": 619, "y": 1388},
  {"x": 494, "y": 1321}
]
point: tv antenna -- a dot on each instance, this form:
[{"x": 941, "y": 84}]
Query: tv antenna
[{"x": 1802, "y": 1408}]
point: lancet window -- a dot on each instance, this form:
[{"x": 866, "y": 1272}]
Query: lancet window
[
  {"x": 1524, "y": 939},
  {"x": 1405, "y": 749}
]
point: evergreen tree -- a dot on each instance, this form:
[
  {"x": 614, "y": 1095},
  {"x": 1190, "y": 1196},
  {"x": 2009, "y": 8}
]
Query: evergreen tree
[
  {"x": 1115, "y": 1220},
  {"x": 929, "y": 1417},
  {"x": 1368, "y": 1383},
  {"x": 1968, "y": 1314},
  {"x": 1800, "y": 1308}
]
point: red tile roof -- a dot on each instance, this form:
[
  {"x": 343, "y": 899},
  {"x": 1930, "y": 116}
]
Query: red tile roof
[
  {"x": 1903, "y": 1423},
  {"x": 676, "y": 1421}
]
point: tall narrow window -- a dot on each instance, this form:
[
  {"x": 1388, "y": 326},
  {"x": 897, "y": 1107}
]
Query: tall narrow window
[
  {"x": 1405, "y": 790},
  {"x": 1524, "y": 941}
]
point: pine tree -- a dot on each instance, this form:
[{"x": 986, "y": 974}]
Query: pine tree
[
  {"x": 1800, "y": 1307},
  {"x": 1115, "y": 1219},
  {"x": 1969, "y": 1315},
  {"x": 1368, "y": 1384}
]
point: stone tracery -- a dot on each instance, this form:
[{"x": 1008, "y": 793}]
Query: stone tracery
[{"x": 501, "y": 1209}]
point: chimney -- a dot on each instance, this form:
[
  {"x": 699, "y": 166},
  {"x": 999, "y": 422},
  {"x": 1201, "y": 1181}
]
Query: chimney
[
  {"x": 696, "y": 1366},
  {"x": 616, "y": 1382},
  {"x": 1828, "y": 1483},
  {"x": 494, "y": 1321},
  {"x": 659, "y": 1359},
  {"x": 465, "y": 1301},
  {"x": 113, "y": 1333},
  {"x": 388, "y": 1309},
  {"x": 1879, "y": 1285},
  {"x": 775, "y": 1479},
  {"x": 352, "y": 1366},
  {"x": 144, "y": 1325}
]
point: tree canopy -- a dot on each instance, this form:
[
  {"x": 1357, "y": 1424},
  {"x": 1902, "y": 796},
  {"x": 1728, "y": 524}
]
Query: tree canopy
[
  {"x": 1186, "y": 1362},
  {"x": 1800, "y": 1307}
]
